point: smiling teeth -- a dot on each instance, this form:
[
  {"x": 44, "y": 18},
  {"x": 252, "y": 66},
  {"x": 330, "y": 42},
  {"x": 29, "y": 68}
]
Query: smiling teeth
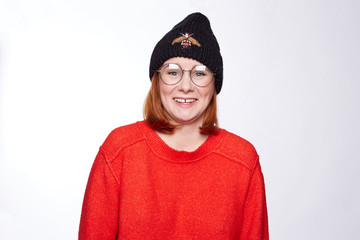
[{"x": 181, "y": 100}]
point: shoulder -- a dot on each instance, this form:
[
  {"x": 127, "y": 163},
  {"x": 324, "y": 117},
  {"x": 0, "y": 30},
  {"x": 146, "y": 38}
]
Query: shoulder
[
  {"x": 120, "y": 138},
  {"x": 237, "y": 149}
]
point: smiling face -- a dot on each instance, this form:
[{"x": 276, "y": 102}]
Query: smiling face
[{"x": 185, "y": 102}]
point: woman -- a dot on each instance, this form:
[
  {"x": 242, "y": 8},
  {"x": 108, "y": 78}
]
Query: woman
[{"x": 176, "y": 175}]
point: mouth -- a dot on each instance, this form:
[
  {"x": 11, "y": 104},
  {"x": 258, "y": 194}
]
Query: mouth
[{"x": 185, "y": 100}]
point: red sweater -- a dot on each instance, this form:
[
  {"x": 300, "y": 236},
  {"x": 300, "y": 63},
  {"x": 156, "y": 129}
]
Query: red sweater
[{"x": 140, "y": 188}]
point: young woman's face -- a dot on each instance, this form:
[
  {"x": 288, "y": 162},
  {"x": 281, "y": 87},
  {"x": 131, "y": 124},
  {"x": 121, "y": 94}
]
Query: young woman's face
[{"x": 185, "y": 102}]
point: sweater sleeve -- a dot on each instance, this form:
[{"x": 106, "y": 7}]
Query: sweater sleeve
[
  {"x": 100, "y": 210},
  {"x": 255, "y": 219}
]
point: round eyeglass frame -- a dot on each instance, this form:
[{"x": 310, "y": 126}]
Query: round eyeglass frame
[{"x": 185, "y": 70}]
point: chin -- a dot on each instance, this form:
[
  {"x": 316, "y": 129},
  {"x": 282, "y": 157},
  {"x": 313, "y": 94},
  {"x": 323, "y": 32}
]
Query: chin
[{"x": 187, "y": 120}]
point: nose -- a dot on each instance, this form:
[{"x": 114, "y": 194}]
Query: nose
[{"x": 186, "y": 84}]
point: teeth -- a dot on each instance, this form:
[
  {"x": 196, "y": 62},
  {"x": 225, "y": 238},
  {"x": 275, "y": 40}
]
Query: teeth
[{"x": 181, "y": 100}]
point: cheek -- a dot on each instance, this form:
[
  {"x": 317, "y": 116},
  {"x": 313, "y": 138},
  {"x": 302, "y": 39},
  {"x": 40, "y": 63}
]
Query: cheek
[
  {"x": 208, "y": 93},
  {"x": 164, "y": 92}
]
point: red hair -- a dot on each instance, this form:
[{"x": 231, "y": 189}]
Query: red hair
[{"x": 157, "y": 118}]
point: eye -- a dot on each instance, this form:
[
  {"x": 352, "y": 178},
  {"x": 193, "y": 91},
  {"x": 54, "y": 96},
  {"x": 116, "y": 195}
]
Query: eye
[
  {"x": 173, "y": 73},
  {"x": 200, "y": 71},
  {"x": 200, "y": 74}
]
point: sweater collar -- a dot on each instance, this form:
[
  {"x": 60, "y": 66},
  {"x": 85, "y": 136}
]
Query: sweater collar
[{"x": 162, "y": 150}]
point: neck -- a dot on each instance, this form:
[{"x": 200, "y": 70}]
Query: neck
[{"x": 185, "y": 138}]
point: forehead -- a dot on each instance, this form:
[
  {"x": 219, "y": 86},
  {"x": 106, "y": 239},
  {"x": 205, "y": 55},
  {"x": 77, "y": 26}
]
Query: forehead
[{"x": 183, "y": 62}]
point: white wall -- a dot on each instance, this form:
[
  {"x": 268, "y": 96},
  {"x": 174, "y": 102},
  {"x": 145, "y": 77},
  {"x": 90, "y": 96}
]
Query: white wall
[{"x": 72, "y": 70}]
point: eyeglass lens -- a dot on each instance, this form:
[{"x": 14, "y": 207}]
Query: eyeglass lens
[{"x": 173, "y": 73}]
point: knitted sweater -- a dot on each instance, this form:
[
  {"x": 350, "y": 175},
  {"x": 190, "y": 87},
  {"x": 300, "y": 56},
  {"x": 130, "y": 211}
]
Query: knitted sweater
[{"x": 140, "y": 188}]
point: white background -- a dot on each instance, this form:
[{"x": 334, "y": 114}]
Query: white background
[{"x": 72, "y": 70}]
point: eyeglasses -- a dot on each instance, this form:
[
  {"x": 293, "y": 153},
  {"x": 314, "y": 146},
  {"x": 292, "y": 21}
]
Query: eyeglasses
[{"x": 172, "y": 73}]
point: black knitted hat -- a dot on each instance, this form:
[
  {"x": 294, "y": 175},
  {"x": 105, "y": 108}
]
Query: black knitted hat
[{"x": 191, "y": 38}]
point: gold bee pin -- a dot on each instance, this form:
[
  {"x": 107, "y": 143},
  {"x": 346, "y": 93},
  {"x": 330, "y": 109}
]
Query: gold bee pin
[{"x": 186, "y": 40}]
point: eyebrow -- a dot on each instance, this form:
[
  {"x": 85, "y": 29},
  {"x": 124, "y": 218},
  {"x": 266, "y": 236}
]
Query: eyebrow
[{"x": 183, "y": 67}]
